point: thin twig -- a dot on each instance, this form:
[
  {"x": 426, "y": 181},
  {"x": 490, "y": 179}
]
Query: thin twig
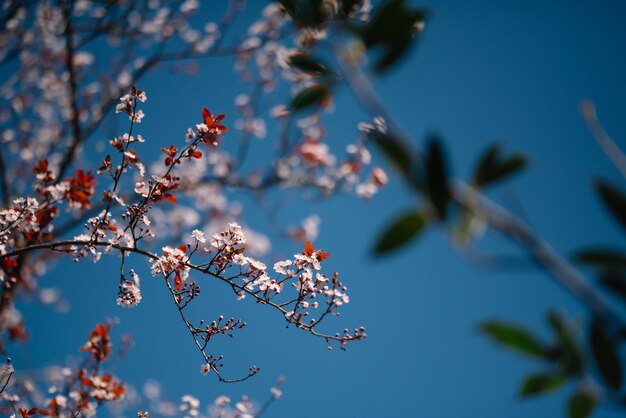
[{"x": 606, "y": 143}]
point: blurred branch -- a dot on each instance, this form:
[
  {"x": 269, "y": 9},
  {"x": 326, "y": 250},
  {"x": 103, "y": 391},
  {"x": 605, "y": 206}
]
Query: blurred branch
[
  {"x": 494, "y": 262},
  {"x": 3, "y": 180},
  {"x": 606, "y": 143},
  {"x": 77, "y": 136},
  {"x": 246, "y": 134},
  {"x": 493, "y": 214},
  {"x": 544, "y": 255}
]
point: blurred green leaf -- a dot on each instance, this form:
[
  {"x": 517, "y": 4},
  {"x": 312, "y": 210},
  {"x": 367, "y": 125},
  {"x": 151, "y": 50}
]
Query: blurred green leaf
[
  {"x": 569, "y": 353},
  {"x": 541, "y": 383},
  {"x": 314, "y": 95},
  {"x": 614, "y": 199},
  {"x": 491, "y": 167},
  {"x": 515, "y": 337},
  {"x": 615, "y": 282},
  {"x": 308, "y": 64},
  {"x": 347, "y": 7},
  {"x": 437, "y": 178},
  {"x": 392, "y": 27},
  {"x": 402, "y": 230},
  {"x": 395, "y": 150},
  {"x": 400, "y": 156},
  {"x": 581, "y": 405},
  {"x": 306, "y": 13},
  {"x": 606, "y": 356},
  {"x": 290, "y": 6},
  {"x": 599, "y": 257}
]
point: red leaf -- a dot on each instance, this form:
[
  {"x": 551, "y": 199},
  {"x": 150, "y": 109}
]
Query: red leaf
[
  {"x": 308, "y": 248},
  {"x": 310, "y": 251},
  {"x": 321, "y": 256},
  {"x": 101, "y": 330},
  {"x": 171, "y": 198},
  {"x": 178, "y": 282},
  {"x": 205, "y": 113}
]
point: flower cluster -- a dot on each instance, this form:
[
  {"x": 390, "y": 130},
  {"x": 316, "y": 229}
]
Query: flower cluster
[
  {"x": 302, "y": 274},
  {"x": 69, "y": 391},
  {"x": 101, "y": 387},
  {"x": 99, "y": 342},
  {"x": 158, "y": 189},
  {"x": 128, "y": 104},
  {"x": 312, "y": 163},
  {"x": 174, "y": 261},
  {"x": 189, "y": 406},
  {"x": 129, "y": 294},
  {"x": 211, "y": 128}
]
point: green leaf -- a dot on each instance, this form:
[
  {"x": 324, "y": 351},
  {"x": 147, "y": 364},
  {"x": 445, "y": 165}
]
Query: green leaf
[
  {"x": 400, "y": 156},
  {"x": 491, "y": 167},
  {"x": 306, "y": 13},
  {"x": 308, "y": 64},
  {"x": 569, "y": 353},
  {"x": 310, "y": 96},
  {"x": 541, "y": 383},
  {"x": 605, "y": 258},
  {"x": 615, "y": 282},
  {"x": 486, "y": 165},
  {"x": 614, "y": 199},
  {"x": 581, "y": 405},
  {"x": 437, "y": 178},
  {"x": 394, "y": 149},
  {"x": 347, "y": 7},
  {"x": 402, "y": 230},
  {"x": 290, "y": 6},
  {"x": 514, "y": 337},
  {"x": 392, "y": 27},
  {"x": 606, "y": 356}
]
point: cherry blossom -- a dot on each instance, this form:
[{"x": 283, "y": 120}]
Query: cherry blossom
[{"x": 82, "y": 195}]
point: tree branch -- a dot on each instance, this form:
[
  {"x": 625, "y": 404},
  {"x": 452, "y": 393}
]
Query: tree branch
[
  {"x": 606, "y": 143},
  {"x": 77, "y": 136},
  {"x": 66, "y": 245},
  {"x": 494, "y": 215}
]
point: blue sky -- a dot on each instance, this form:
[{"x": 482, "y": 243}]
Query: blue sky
[{"x": 514, "y": 71}]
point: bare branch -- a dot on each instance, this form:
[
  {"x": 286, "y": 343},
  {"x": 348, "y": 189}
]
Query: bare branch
[{"x": 604, "y": 140}]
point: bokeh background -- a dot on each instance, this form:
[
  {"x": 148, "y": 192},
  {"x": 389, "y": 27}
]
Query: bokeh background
[{"x": 483, "y": 70}]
